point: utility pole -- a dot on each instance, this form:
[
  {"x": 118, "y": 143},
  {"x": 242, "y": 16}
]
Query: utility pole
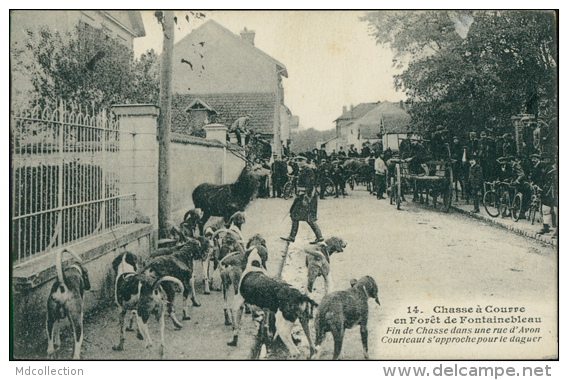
[{"x": 165, "y": 124}]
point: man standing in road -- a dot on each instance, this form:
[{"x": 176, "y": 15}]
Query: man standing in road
[
  {"x": 475, "y": 180},
  {"x": 323, "y": 172},
  {"x": 380, "y": 175},
  {"x": 305, "y": 206}
]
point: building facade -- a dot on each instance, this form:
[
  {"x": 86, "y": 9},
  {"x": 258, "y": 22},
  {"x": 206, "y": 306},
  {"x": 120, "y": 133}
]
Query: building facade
[
  {"x": 370, "y": 122},
  {"x": 219, "y": 77}
]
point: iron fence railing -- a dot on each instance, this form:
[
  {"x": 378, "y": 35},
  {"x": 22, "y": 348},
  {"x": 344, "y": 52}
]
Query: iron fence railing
[{"x": 65, "y": 179}]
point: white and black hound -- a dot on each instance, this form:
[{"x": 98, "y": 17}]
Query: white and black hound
[
  {"x": 288, "y": 304},
  {"x": 66, "y": 300},
  {"x": 141, "y": 294}
]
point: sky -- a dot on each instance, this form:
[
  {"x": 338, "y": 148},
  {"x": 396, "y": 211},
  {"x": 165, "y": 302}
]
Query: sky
[{"x": 330, "y": 58}]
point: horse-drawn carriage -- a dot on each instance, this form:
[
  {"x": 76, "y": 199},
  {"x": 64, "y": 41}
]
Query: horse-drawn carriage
[
  {"x": 424, "y": 178},
  {"x": 358, "y": 172}
]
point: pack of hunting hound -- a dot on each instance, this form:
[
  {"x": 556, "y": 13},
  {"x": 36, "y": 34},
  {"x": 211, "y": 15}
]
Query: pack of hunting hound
[{"x": 146, "y": 286}]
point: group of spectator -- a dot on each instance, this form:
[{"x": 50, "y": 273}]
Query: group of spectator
[
  {"x": 488, "y": 158},
  {"x": 477, "y": 159}
]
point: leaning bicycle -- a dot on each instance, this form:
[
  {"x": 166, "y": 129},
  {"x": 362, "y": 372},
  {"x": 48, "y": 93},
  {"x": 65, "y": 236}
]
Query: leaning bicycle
[
  {"x": 491, "y": 198},
  {"x": 535, "y": 207},
  {"x": 290, "y": 188},
  {"x": 511, "y": 201}
]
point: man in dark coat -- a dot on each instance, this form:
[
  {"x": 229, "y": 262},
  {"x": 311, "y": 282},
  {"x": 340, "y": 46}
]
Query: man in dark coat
[
  {"x": 305, "y": 206},
  {"x": 543, "y": 176},
  {"x": 338, "y": 178},
  {"x": 279, "y": 177},
  {"x": 324, "y": 170},
  {"x": 475, "y": 180}
]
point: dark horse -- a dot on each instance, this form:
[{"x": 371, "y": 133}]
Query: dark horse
[{"x": 225, "y": 200}]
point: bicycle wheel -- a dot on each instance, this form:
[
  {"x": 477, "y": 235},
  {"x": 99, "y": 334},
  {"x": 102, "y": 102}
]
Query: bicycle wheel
[
  {"x": 329, "y": 187},
  {"x": 516, "y": 207},
  {"x": 536, "y": 208},
  {"x": 504, "y": 204},
  {"x": 287, "y": 190},
  {"x": 532, "y": 213},
  {"x": 491, "y": 203}
]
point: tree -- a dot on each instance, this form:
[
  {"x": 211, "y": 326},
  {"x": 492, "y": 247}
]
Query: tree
[
  {"x": 80, "y": 67},
  {"x": 472, "y": 70},
  {"x": 305, "y": 140}
]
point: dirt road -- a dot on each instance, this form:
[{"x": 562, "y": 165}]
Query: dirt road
[{"x": 425, "y": 262}]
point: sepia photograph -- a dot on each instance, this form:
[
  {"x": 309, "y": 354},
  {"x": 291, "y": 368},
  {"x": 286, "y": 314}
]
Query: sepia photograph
[{"x": 284, "y": 185}]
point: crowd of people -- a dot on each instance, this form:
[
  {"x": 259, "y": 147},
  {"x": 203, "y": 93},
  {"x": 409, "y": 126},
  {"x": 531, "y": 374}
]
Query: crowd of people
[
  {"x": 476, "y": 161},
  {"x": 484, "y": 158}
]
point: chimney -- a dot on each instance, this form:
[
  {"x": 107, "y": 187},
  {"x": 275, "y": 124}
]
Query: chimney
[
  {"x": 248, "y": 36},
  {"x": 344, "y": 109}
]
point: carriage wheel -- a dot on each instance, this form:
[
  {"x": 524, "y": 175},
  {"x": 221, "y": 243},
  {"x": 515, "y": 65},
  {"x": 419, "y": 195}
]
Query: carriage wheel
[
  {"x": 491, "y": 203},
  {"x": 329, "y": 187},
  {"x": 398, "y": 187},
  {"x": 351, "y": 181},
  {"x": 391, "y": 192},
  {"x": 516, "y": 207}
]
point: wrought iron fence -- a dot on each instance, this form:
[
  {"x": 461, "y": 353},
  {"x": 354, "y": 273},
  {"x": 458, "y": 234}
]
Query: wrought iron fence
[{"x": 65, "y": 167}]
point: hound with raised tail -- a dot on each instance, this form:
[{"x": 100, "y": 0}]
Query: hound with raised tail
[
  {"x": 153, "y": 299},
  {"x": 344, "y": 310},
  {"x": 288, "y": 304},
  {"x": 318, "y": 261},
  {"x": 66, "y": 300},
  {"x": 141, "y": 294},
  {"x": 126, "y": 291},
  {"x": 176, "y": 262}
]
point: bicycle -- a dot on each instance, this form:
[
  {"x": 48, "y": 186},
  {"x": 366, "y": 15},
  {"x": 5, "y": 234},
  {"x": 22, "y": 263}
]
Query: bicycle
[
  {"x": 290, "y": 188},
  {"x": 329, "y": 187},
  {"x": 536, "y": 204},
  {"x": 507, "y": 207},
  {"x": 491, "y": 199}
]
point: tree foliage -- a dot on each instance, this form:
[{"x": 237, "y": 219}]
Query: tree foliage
[
  {"x": 85, "y": 67},
  {"x": 304, "y": 140},
  {"x": 505, "y": 64}
]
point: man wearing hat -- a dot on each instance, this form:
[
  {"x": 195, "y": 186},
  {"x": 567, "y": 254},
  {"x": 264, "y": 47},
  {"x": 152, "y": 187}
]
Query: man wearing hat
[
  {"x": 305, "y": 206},
  {"x": 543, "y": 176},
  {"x": 475, "y": 180},
  {"x": 324, "y": 169}
]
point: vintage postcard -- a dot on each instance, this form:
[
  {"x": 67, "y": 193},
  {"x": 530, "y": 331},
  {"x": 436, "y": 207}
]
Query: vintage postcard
[{"x": 239, "y": 185}]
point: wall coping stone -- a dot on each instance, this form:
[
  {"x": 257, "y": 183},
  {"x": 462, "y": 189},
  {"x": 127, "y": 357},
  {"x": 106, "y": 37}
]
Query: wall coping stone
[
  {"x": 186, "y": 139},
  {"x": 36, "y": 272},
  {"x": 136, "y": 110}
]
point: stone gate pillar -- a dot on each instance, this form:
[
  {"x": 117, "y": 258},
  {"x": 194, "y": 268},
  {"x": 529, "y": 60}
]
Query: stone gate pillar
[{"x": 139, "y": 157}]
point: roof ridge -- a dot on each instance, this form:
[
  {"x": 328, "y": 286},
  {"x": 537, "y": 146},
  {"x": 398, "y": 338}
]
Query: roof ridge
[{"x": 244, "y": 43}]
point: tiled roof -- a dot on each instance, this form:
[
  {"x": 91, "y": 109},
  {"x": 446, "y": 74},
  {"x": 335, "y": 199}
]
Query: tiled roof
[
  {"x": 229, "y": 108},
  {"x": 357, "y": 112},
  {"x": 395, "y": 120}
]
